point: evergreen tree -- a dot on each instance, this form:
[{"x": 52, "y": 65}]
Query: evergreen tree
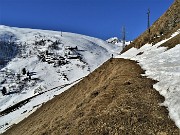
[
  {"x": 24, "y": 71},
  {"x": 4, "y": 91}
]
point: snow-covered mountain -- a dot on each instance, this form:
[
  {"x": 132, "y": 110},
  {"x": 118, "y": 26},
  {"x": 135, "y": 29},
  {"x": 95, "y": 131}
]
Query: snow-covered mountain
[
  {"x": 36, "y": 65},
  {"x": 118, "y": 42},
  {"x": 113, "y": 40}
]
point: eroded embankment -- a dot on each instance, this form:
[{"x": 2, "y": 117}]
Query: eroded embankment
[{"x": 113, "y": 100}]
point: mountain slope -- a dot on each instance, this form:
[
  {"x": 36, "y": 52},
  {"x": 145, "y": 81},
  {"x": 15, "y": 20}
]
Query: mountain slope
[
  {"x": 158, "y": 53},
  {"x": 51, "y": 62},
  {"x": 114, "y": 99},
  {"x": 162, "y": 29},
  {"x": 161, "y": 64}
]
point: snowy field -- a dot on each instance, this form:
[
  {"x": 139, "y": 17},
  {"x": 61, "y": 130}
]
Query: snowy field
[
  {"x": 53, "y": 62},
  {"x": 164, "y": 66}
]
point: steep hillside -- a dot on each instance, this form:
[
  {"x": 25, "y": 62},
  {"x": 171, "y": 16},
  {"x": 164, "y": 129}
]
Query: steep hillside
[
  {"x": 114, "y": 99},
  {"x": 167, "y": 24},
  {"x": 36, "y": 65},
  {"x": 158, "y": 53},
  {"x": 163, "y": 65}
]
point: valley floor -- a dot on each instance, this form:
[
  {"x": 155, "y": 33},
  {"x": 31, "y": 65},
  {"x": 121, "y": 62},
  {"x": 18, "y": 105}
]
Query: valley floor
[{"x": 113, "y": 100}]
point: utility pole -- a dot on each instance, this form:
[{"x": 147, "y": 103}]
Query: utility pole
[
  {"x": 148, "y": 25},
  {"x": 123, "y": 36}
]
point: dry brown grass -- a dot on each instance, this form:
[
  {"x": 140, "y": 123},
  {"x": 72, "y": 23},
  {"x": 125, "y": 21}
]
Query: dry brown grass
[
  {"x": 172, "y": 42},
  {"x": 113, "y": 100},
  {"x": 163, "y": 28}
]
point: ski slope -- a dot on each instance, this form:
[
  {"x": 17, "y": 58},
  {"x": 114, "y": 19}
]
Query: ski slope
[
  {"x": 54, "y": 61},
  {"x": 164, "y": 66}
]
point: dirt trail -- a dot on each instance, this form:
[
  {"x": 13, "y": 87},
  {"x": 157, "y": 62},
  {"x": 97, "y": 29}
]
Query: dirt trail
[{"x": 113, "y": 100}]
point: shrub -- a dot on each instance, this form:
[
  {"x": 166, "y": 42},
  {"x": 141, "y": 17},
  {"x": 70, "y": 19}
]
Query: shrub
[
  {"x": 4, "y": 91},
  {"x": 24, "y": 71}
]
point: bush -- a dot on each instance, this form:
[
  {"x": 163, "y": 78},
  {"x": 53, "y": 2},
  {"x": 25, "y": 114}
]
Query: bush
[
  {"x": 24, "y": 71},
  {"x": 4, "y": 91}
]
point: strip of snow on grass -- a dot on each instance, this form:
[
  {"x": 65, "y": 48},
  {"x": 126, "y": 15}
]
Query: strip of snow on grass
[{"x": 164, "y": 66}]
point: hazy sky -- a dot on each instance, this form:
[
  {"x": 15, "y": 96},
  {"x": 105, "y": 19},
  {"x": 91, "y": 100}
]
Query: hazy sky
[{"x": 97, "y": 18}]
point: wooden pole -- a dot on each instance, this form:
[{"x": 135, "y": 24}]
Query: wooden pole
[
  {"x": 148, "y": 25},
  {"x": 123, "y": 36}
]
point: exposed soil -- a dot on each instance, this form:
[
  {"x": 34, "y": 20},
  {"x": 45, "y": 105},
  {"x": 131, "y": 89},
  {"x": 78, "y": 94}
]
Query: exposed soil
[{"x": 113, "y": 100}]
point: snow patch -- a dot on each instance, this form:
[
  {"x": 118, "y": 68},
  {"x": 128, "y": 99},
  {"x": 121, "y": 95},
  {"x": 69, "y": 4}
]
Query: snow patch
[{"x": 164, "y": 66}]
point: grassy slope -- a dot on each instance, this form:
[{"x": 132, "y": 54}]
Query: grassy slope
[
  {"x": 114, "y": 99},
  {"x": 167, "y": 24}
]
